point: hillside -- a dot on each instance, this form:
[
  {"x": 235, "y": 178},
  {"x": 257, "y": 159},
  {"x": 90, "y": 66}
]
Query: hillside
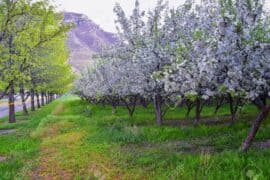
[{"x": 85, "y": 39}]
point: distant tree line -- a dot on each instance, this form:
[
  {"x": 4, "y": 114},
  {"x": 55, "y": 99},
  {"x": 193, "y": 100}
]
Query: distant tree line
[{"x": 33, "y": 54}]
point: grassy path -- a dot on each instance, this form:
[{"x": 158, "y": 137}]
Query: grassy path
[
  {"x": 70, "y": 139},
  {"x": 64, "y": 151},
  {"x": 52, "y": 144},
  {"x": 19, "y": 149}
]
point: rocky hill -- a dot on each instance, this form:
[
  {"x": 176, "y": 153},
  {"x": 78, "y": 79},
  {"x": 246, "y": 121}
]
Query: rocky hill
[{"x": 85, "y": 39}]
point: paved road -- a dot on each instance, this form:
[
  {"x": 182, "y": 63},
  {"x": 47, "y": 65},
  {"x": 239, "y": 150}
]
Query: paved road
[
  {"x": 18, "y": 107},
  {"x": 4, "y": 110}
]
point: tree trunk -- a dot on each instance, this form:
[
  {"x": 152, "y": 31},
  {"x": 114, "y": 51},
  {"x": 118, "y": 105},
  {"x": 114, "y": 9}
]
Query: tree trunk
[
  {"x": 131, "y": 105},
  {"x": 23, "y": 99},
  {"x": 233, "y": 118},
  {"x": 254, "y": 129},
  {"x": 158, "y": 110},
  {"x": 51, "y": 97},
  {"x": 190, "y": 106},
  {"x": 11, "y": 102},
  {"x": 219, "y": 103},
  {"x": 32, "y": 95},
  {"x": 132, "y": 109},
  {"x": 114, "y": 108},
  {"x": 233, "y": 109},
  {"x": 42, "y": 99},
  {"x": 38, "y": 101},
  {"x": 198, "y": 111},
  {"x": 143, "y": 102},
  {"x": 114, "y": 102},
  {"x": 47, "y": 98}
]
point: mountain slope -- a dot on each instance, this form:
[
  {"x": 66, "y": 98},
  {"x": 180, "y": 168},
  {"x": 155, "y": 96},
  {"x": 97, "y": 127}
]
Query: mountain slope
[{"x": 86, "y": 39}]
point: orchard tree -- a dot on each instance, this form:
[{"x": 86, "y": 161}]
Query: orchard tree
[
  {"x": 25, "y": 27},
  {"x": 190, "y": 75},
  {"x": 217, "y": 50},
  {"x": 243, "y": 56},
  {"x": 146, "y": 42},
  {"x": 12, "y": 19}
]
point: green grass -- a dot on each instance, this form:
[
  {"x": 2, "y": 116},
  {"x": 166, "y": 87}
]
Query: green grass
[
  {"x": 75, "y": 140},
  {"x": 20, "y": 147}
]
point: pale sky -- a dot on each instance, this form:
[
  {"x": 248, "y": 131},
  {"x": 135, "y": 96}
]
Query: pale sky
[{"x": 101, "y": 11}]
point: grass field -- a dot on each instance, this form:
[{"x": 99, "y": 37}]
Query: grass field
[{"x": 72, "y": 139}]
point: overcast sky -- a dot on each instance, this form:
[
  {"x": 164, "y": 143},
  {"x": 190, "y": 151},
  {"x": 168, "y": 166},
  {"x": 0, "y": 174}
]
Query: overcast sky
[{"x": 101, "y": 11}]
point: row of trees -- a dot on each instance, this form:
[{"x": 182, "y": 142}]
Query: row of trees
[
  {"x": 217, "y": 51},
  {"x": 33, "y": 54}
]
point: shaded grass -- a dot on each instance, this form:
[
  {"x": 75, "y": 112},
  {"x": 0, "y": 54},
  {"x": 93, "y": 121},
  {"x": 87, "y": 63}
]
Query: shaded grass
[{"x": 143, "y": 150}]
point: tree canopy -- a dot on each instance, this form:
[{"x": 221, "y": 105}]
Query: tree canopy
[{"x": 33, "y": 54}]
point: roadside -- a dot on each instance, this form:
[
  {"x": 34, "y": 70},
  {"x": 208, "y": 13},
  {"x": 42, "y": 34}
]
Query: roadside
[
  {"x": 17, "y": 147},
  {"x": 18, "y": 106}
]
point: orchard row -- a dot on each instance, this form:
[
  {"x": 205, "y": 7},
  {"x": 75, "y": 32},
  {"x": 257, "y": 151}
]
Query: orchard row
[
  {"x": 214, "y": 52},
  {"x": 33, "y": 54}
]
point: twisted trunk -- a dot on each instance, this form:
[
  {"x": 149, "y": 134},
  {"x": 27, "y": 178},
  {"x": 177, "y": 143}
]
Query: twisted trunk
[
  {"x": 219, "y": 103},
  {"x": 254, "y": 129},
  {"x": 131, "y": 105}
]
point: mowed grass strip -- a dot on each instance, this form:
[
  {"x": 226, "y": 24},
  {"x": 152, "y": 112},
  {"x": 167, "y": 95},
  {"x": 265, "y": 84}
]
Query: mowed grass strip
[{"x": 64, "y": 150}]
